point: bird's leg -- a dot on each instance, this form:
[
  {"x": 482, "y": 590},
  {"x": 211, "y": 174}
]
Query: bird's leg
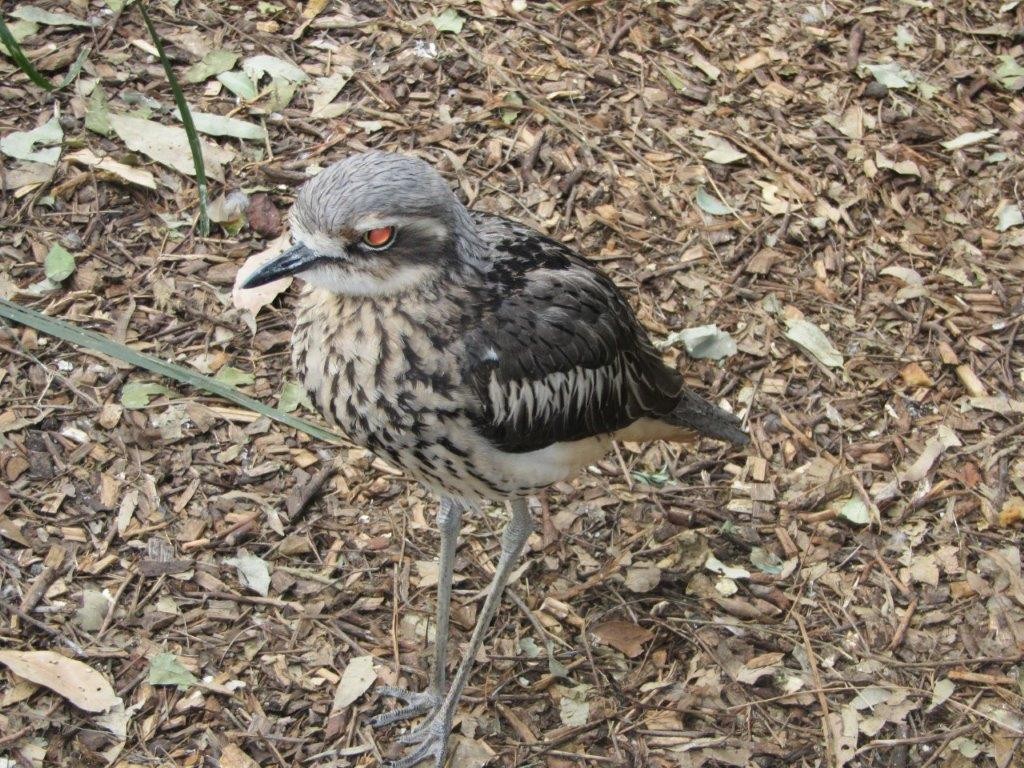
[
  {"x": 449, "y": 520},
  {"x": 432, "y": 736}
]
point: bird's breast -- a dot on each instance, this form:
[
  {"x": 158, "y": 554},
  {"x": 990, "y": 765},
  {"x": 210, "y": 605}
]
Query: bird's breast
[
  {"x": 389, "y": 375},
  {"x": 377, "y": 369}
]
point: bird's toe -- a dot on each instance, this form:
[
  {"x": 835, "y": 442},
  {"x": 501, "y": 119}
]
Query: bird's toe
[
  {"x": 416, "y": 703},
  {"x": 433, "y": 743}
]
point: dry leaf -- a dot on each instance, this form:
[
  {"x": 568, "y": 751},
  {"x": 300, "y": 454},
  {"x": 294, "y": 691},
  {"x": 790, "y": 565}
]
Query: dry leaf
[
  {"x": 233, "y": 757},
  {"x": 168, "y": 145},
  {"x": 469, "y": 753},
  {"x": 623, "y": 636},
  {"x": 925, "y": 569},
  {"x": 642, "y": 578},
  {"x": 915, "y": 376},
  {"x": 574, "y": 709},
  {"x": 357, "y": 678},
  {"x": 1012, "y": 512},
  {"x": 252, "y": 299},
  {"x": 76, "y": 681},
  {"x": 845, "y": 731},
  {"x": 138, "y": 176}
]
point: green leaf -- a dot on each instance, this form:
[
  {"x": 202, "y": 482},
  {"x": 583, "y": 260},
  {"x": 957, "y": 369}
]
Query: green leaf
[
  {"x": 903, "y": 38},
  {"x": 97, "y": 114},
  {"x": 891, "y": 75},
  {"x": 168, "y": 144},
  {"x": 557, "y": 668},
  {"x": 1009, "y": 215},
  {"x": 93, "y": 611},
  {"x": 165, "y": 669},
  {"x": 239, "y": 84},
  {"x": 213, "y": 63},
  {"x": 21, "y": 29},
  {"x": 573, "y": 708},
  {"x": 39, "y": 16},
  {"x": 656, "y": 479},
  {"x": 711, "y": 204},
  {"x": 512, "y": 102},
  {"x": 969, "y": 748},
  {"x": 292, "y": 396},
  {"x": 218, "y": 125},
  {"x": 941, "y": 691},
  {"x": 704, "y": 342},
  {"x": 234, "y": 377},
  {"x": 448, "y": 21},
  {"x": 765, "y": 561},
  {"x": 137, "y": 394},
  {"x": 88, "y": 339},
  {"x": 59, "y": 264},
  {"x": 253, "y": 572},
  {"x": 25, "y": 145},
  {"x": 855, "y": 511},
  {"x": 278, "y": 69},
  {"x": 812, "y": 340},
  {"x": 324, "y": 90},
  {"x": 281, "y": 93},
  {"x": 1009, "y": 73},
  {"x": 529, "y": 646},
  {"x": 673, "y": 79}
]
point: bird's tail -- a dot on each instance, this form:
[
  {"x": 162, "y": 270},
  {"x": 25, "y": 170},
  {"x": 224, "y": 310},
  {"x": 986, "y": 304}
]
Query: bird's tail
[{"x": 694, "y": 412}]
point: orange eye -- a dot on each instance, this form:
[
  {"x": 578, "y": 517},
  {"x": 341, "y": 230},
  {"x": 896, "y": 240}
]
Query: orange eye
[{"x": 380, "y": 237}]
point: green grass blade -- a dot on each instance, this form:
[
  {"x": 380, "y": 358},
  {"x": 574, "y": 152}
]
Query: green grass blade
[
  {"x": 75, "y": 68},
  {"x": 31, "y": 72},
  {"x": 186, "y": 120},
  {"x": 21, "y": 60},
  {"x": 89, "y": 339}
]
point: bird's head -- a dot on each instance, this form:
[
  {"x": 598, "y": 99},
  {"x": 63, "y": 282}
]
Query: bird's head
[{"x": 373, "y": 224}]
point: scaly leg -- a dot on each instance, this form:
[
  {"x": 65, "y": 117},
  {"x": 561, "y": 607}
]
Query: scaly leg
[
  {"x": 432, "y": 736},
  {"x": 449, "y": 520}
]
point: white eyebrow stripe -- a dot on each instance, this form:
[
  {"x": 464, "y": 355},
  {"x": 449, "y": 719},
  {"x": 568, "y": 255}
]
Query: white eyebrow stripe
[
  {"x": 424, "y": 224},
  {"x": 375, "y": 222},
  {"x": 318, "y": 242}
]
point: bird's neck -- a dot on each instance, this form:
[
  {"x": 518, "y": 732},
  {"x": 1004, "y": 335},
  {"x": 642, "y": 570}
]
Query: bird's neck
[{"x": 470, "y": 248}]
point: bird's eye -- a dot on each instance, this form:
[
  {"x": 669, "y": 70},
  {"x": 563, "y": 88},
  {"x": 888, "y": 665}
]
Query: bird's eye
[{"x": 379, "y": 238}]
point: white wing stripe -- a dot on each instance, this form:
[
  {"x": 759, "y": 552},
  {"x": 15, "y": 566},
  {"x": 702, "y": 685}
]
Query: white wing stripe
[{"x": 559, "y": 395}]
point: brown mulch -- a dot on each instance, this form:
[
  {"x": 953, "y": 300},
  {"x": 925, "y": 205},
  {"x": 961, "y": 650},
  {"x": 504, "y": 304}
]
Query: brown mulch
[{"x": 846, "y": 591}]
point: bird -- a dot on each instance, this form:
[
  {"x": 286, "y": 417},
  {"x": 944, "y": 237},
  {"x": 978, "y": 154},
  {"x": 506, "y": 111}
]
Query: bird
[{"x": 485, "y": 359}]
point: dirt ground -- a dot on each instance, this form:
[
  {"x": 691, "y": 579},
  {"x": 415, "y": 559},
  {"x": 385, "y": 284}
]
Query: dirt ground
[{"x": 837, "y": 186}]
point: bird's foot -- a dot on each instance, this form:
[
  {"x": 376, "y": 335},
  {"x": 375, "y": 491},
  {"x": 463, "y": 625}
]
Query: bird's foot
[
  {"x": 415, "y": 704},
  {"x": 432, "y": 738}
]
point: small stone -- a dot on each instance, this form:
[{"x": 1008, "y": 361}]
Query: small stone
[
  {"x": 264, "y": 218},
  {"x": 875, "y": 90}
]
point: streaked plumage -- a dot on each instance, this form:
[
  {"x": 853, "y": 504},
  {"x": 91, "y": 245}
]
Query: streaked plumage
[
  {"x": 475, "y": 387},
  {"x": 485, "y": 359}
]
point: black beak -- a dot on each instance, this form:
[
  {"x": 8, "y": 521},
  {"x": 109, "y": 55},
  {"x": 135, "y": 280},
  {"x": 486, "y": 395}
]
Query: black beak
[{"x": 292, "y": 261}]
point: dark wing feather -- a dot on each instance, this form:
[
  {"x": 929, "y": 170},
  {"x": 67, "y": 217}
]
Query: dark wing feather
[{"x": 558, "y": 354}]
